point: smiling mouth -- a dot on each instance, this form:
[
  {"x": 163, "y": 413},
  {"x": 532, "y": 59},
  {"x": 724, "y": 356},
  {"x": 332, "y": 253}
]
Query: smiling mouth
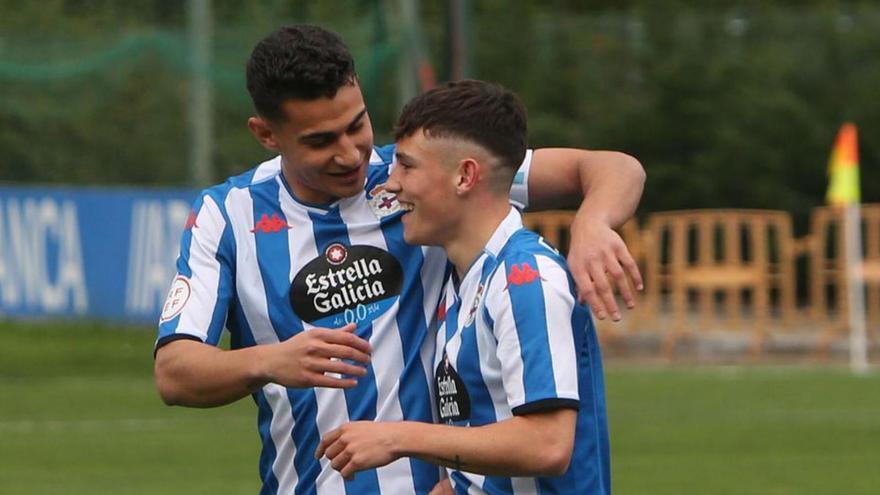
[
  {"x": 347, "y": 173},
  {"x": 405, "y": 206}
]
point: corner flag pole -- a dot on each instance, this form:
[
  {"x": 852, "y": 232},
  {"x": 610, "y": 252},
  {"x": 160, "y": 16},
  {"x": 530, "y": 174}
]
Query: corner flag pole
[{"x": 843, "y": 191}]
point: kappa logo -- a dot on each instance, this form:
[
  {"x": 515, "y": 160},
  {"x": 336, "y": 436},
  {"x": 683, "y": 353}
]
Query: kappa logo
[
  {"x": 382, "y": 202},
  {"x": 336, "y": 253},
  {"x": 191, "y": 221},
  {"x": 522, "y": 274},
  {"x": 268, "y": 225}
]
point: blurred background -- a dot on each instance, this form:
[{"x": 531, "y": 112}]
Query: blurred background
[{"x": 732, "y": 376}]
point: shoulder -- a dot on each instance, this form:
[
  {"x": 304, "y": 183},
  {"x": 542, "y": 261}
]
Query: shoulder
[
  {"x": 528, "y": 260},
  {"x": 381, "y": 161},
  {"x": 261, "y": 174}
]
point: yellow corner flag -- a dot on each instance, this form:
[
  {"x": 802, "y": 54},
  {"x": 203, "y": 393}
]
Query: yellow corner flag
[{"x": 843, "y": 168}]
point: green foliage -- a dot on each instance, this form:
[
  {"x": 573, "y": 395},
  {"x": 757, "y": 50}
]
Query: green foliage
[{"x": 726, "y": 103}]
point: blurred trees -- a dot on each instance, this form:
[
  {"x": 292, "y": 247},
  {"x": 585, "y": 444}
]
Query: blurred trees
[{"x": 727, "y": 104}]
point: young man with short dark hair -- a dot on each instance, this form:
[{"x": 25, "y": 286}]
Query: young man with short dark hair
[{"x": 518, "y": 372}]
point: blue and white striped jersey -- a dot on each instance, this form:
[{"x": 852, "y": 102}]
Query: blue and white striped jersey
[
  {"x": 513, "y": 340},
  {"x": 266, "y": 266}
]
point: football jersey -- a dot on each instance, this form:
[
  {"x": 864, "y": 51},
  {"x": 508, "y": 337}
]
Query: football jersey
[
  {"x": 513, "y": 340},
  {"x": 263, "y": 264}
]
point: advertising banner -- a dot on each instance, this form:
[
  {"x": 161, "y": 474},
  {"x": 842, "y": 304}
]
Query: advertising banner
[{"x": 89, "y": 252}]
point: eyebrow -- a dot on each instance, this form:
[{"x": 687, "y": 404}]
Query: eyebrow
[
  {"x": 401, "y": 156},
  {"x": 322, "y": 135}
]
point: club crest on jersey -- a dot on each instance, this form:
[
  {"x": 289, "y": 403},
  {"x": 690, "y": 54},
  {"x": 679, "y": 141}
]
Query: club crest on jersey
[
  {"x": 177, "y": 298},
  {"x": 472, "y": 313},
  {"x": 382, "y": 202},
  {"x": 347, "y": 284}
]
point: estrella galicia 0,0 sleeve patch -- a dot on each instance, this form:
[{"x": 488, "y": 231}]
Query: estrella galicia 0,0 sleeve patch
[{"x": 452, "y": 398}]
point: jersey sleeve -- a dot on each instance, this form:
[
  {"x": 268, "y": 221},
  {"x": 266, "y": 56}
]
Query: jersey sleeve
[
  {"x": 531, "y": 306},
  {"x": 519, "y": 191},
  {"x": 198, "y": 301}
]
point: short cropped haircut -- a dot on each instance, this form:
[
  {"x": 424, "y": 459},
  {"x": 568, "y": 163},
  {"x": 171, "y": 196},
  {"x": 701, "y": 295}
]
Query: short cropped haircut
[
  {"x": 483, "y": 113},
  {"x": 297, "y": 62}
]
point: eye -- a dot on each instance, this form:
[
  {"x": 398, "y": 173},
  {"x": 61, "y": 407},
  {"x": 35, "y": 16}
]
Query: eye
[{"x": 319, "y": 144}]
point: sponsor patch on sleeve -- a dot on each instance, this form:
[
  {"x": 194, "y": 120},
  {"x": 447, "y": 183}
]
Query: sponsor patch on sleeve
[{"x": 177, "y": 298}]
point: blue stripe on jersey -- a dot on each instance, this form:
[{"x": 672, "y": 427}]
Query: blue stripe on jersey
[
  {"x": 276, "y": 281},
  {"x": 415, "y": 392},
  {"x": 461, "y": 483},
  {"x": 225, "y": 287},
  {"x": 360, "y": 400},
  {"x": 305, "y": 437},
  {"x": 468, "y": 364},
  {"x": 186, "y": 242},
  {"x": 268, "y": 454},
  {"x": 529, "y": 314},
  {"x": 272, "y": 245}
]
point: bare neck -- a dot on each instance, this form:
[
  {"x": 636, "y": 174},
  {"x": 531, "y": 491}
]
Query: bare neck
[{"x": 480, "y": 220}]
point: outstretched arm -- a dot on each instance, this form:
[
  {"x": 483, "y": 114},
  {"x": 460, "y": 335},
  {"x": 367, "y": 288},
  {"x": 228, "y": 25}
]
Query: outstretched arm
[
  {"x": 608, "y": 185},
  {"x": 537, "y": 444},
  {"x": 191, "y": 373}
]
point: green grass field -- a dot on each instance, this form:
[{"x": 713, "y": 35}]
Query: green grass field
[{"x": 79, "y": 415}]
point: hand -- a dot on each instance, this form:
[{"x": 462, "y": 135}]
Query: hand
[
  {"x": 596, "y": 252},
  {"x": 305, "y": 359},
  {"x": 444, "y": 487},
  {"x": 359, "y": 445}
]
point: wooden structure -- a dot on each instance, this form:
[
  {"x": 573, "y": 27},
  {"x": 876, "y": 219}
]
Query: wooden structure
[
  {"x": 733, "y": 269},
  {"x": 829, "y": 305}
]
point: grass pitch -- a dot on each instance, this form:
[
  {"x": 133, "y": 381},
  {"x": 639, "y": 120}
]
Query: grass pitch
[{"x": 79, "y": 415}]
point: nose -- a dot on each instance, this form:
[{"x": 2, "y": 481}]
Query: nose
[
  {"x": 392, "y": 185},
  {"x": 347, "y": 153}
]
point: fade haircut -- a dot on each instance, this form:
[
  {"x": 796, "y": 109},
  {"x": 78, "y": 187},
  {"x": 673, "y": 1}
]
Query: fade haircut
[
  {"x": 297, "y": 62},
  {"x": 483, "y": 113}
]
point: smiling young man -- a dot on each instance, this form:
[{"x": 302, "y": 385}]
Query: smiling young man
[
  {"x": 518, "y": 377},
  {"x": 303, "y": 260}
]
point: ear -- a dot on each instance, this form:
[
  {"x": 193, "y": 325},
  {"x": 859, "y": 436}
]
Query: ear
[
  {"x": 263, "y": 131},
  {"x": 468, "y": 176}
]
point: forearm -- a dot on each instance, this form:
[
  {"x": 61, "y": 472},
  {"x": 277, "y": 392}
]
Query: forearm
[
  {"x": 519, "y": 446},
  {"x": 612, "y": 186},
  {"x": 194, "y": 374},
  {"x": 607, "y": 185}
]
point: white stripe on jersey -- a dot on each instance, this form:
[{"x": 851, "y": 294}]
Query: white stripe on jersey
[
  {"x": 267, "y": 169},
  {"x": 498, "y": 305},
  {"x": 490, "y": 367},
  {"x": 279, "y": 429},
  {"x": 433, "y": 269},
  {"x": 196, "y": 315},
  {"x": 332, "y": 412},
  {"x": 558, "y": 306},
  {"x": 249, "y": 282},
  {"x": 387, "y": 346}
]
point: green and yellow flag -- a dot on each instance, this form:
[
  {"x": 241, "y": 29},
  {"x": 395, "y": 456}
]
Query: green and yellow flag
[{"x": 843, "y": 168}]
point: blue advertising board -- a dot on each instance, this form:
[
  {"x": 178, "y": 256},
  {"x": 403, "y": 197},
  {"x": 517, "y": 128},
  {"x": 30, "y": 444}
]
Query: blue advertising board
[{"x": 89, "y": 252}]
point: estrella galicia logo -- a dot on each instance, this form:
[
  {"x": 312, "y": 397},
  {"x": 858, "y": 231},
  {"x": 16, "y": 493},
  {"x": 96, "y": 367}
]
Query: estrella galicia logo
[
  {"x": 346, "y": 284},
  {"x": 452, "y": 398}
]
